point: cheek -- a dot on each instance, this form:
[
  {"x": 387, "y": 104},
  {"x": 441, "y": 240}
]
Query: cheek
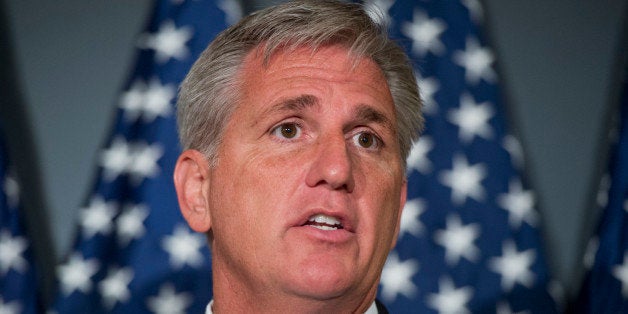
[
  {"x": 279, "y": 172},
  {"x": 239, "y": 221},
  {"x": 254, "y": 186},
  {"x": 386, "y": 218},
  {"x": 381, "y": 202}
]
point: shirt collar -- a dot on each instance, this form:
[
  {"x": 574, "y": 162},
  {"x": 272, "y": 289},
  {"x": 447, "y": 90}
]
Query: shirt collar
[{"x": 372, "y": 309}]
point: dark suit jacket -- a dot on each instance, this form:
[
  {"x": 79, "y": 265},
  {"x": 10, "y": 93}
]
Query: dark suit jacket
[{"x": 381, "y": 309}]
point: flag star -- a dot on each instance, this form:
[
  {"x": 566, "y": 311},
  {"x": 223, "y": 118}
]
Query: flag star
[
  {"x": 626, "y": 205},
  {"x": 115, "y": 287},
  {"x": 149, "y": 101},
  {"x": 464, "y": 180},
  {"x": 514, "y": 266},
  {"x": 132, "y": 101},
  {"x": 410, "y": 221},
  {"x": 144, "y": 161},
  {"x": 450, "y": 300},
  {"x": 513, "y": 146},
  {"x": 12, "y": 191},
  {"x": 169, "y": 302},
  {"x": 378, "y": 10},
  {"x": 472, "y": 119},
  {"x": 11, "y": 251},
  {"x": 425, "y": 34},
  {"x": 13, "y": 307},
  {"x": 520, "y": 205},
  {"x": 396, "y": 278},
  {"x": 130, "y": 224},
  {"x": 458, "y": 240},
  {"x": 115, "y": 159},
  {"x": 418, "y": 155},
  {"x": 621, "y": 273},
  {"x": 76, "y": 274},
  {"x": 184, "y": 247},
  {"x": 504, "y": 308},
  {"x": 156, "y": 100},
  {"x": 428, "y": 88},
  {"x": 232, "y": 9},
  {"x": 168, "y": 42},
  {"x": 97, "y": 217},
  {"x": 476, "y": 61},
  {"x": 475, "y": 10}
]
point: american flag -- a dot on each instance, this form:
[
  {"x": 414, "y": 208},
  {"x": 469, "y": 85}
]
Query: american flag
[
  {"x": 18, "y": 277},
  {"x": 605, "y": 288},
  {"x": 133, "y": 252},
  {"x": 469, "y": 239}
]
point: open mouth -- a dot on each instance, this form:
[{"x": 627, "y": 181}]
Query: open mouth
[{"x": 324, "y": 222}]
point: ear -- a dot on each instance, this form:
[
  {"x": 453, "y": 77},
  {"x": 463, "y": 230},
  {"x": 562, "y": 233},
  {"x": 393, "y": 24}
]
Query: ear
[
  {"x": 191, "y": 180},
  {"x": 402, "y": 204}
]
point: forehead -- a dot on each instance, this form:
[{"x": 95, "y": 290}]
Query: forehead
[{"x": 292, "y": 69}]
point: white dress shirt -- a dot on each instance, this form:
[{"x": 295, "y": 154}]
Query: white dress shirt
[{"x": 372, "y": 309}]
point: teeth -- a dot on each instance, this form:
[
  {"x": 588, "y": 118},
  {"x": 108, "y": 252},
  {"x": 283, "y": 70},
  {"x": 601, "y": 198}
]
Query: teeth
[
  {"x": 324, "y": 222},
  {"x": 325, "y": 227},
  {"x": 323, "y": 219}
]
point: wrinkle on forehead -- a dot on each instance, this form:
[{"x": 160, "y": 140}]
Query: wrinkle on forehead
[{"x": 316, "y": 64}]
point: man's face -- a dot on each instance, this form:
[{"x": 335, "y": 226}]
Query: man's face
[{"x": 306, "y": 196}]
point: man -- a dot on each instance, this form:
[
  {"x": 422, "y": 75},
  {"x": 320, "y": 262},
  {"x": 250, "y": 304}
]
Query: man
[{"x": 296, "y": 123}]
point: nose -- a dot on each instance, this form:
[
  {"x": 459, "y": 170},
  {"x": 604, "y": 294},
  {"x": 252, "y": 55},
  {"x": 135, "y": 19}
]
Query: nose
[{"x": 332, "y": 166}]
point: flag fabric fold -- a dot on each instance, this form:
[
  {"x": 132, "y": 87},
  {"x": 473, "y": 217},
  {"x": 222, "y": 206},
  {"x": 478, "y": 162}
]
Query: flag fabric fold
[
  {"x": 469, "y": 240},
  {"x": 605, "y": 287},
  {"x": 19, "y": 289},
  {"x": 133, "y": 252}
]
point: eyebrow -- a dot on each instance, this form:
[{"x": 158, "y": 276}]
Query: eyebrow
[
  {"x": 293, "y": 104},
  {"x": 363, "y": 113},
  {"x": 298, "y": 103},
  {"x": 366, "y": 113}
]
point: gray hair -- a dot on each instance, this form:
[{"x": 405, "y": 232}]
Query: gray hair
[{"x": 208, "y": 94}]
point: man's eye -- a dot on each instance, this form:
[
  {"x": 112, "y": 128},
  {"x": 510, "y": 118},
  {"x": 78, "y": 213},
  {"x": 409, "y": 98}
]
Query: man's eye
[
  {"x": 287, "y": 130},
  {"x": 366, "y": 140}
]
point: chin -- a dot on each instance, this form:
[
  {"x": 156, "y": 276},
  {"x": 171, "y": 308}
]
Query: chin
[
  {"x": 321, "y": 291},
  {"x": 324, "y": 282}
]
